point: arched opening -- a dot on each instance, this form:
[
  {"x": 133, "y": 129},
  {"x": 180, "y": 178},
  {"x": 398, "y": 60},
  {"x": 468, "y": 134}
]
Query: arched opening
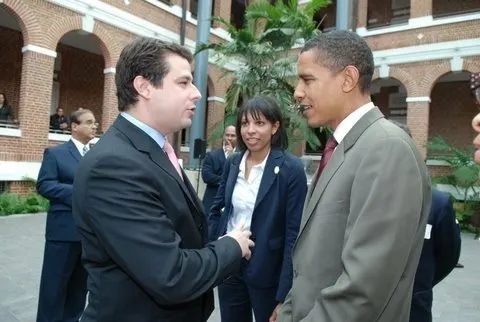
[
  {"x": 11, "y": 43},
  {"x": 390, "y": 95},
  {"x": 78, "y": 79},
  {"x": 452, "y": 109}
]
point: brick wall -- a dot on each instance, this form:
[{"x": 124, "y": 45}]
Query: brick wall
[
  {"x": 451, "y": 112},
  {"x": 81, "y": 80},
  {"x": 21, "y": 187}
]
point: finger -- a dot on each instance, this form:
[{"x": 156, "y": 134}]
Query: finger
[
  {"x": 247, "y": 233},
  {"x": 251, "y": 243}
]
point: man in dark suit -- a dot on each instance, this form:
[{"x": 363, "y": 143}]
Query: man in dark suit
[
  {"x": 63, "y": 284},
  {"x": 213, "y": 166},
  {"x": 142, "y": 226},
  {"x": 440, "y": 251}
]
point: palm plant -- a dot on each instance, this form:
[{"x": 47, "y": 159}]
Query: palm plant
[
  {"x": 464, "y": 176},
  {"x": 267, "y": 67}
]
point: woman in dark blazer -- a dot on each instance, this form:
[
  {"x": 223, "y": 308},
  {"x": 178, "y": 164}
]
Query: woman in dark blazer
[{"x": 263, "y": 189}]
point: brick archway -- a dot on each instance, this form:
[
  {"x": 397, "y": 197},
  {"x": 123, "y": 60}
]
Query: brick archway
[
  {"x": 472, "y": 64},
  {"x": 25, "y": 16},
  {"x": 61, "y": 27},
  {"x": 404, "y": 77},
  {"x": 432, "y": 75}
]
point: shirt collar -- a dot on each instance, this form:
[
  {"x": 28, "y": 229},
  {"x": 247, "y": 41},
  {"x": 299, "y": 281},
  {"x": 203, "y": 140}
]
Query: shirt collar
[
  {"x": 260, "y": 166},
  {"x": 151, "y": 132},
  {"x": 349, "y": 122},
  {"x": 79, "y": 145}
]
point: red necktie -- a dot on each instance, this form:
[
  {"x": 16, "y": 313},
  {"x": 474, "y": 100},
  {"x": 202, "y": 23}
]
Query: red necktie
[{"x": 327, "y": 154}]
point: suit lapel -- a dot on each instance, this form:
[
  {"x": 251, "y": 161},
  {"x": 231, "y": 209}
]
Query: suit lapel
[
  {"x": 146, "y": 144},
  {"x": 160, "y": 158},
  {"x": 72, "y": 148},
  {"x": 232, "y": 177},
  {"x": 335, "y": 162},
  {"x": 275, "y": 159},
  {"x": 317, "y": 191}
]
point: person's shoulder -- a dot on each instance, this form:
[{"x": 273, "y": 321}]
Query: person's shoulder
[{"x": 440, "y": 197}]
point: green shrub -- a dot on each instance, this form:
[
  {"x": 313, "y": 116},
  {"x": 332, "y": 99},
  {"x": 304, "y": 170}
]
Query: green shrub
[{"x": 11, "y": 203}]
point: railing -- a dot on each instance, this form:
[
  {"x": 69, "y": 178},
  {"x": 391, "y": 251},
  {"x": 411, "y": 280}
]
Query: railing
[
  {"x": 9, "y": 124},
  {"x": 388, "y": 18}
]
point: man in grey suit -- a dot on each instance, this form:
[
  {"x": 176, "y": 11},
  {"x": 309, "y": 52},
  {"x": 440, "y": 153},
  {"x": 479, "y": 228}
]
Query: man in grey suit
[{"x": 365, "y": 215}]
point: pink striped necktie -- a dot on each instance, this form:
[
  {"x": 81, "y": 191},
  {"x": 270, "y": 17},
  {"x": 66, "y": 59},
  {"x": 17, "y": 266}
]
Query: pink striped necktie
[{"x": 168, "y": 148}]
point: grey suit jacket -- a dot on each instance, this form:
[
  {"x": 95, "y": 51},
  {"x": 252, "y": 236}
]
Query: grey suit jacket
[{"x": 362, "y": 230}]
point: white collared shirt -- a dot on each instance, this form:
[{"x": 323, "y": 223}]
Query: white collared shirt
[
  {"x": 245, "y": 194},
  {"x": 80, "y": 145},
  {"x": 349, "y": 122}
]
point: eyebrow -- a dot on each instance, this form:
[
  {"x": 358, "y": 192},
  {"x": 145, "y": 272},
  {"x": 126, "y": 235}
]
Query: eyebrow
[
  {"x": 305, "y": 75},
  {"x": 185, "y": 77}
]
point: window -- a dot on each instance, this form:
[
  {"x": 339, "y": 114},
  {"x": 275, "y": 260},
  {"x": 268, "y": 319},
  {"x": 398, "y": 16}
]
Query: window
[
  {"x": 381, "y": 13},
  {"x": 326, "y": 18},
  {"x": 194, "y": 8},
  {"x": 237, "y": 13}
]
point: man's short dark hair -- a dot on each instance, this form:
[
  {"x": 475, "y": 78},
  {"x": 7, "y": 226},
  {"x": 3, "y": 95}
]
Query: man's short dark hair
[
  {"x": 338, "y": 49},
  {"x": 268, "y": 108},
  {"x": 77, "y": 114},
  {"x": 144, "y": 57}
]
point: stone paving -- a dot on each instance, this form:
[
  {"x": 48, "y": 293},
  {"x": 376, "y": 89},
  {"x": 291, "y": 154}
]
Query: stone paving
[{"x": 457, "y": 299}]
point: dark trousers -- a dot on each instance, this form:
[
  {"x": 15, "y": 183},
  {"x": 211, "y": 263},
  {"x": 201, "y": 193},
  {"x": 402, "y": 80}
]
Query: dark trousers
[
  {"x": 237, "y": 299},
  {"x": 63, "y": 284}
]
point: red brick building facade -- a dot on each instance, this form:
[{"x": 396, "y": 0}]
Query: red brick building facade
[{"x": 62, "y": 53}]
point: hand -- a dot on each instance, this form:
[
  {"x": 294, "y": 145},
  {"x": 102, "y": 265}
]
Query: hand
[
  {"x": 243, "y": 239},
  {"x": 276, "y": 311}
]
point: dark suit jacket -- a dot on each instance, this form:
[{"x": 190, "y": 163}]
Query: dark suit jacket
[
  {"x": 55, "y": 183},
  {"x": 6, "y": 113},
  {"x": 275, "y": 220},
  {"x": 439, "y": 256},
  {"x": 212, "y": 175},
  {"x": 143, "y": 233}
]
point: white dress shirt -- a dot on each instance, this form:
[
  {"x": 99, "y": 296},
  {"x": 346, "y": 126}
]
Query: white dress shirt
[
  {"x": 349, "y": 122},
  {"x": 80, "y": 145},
  {"x": 245, "y": 194}
]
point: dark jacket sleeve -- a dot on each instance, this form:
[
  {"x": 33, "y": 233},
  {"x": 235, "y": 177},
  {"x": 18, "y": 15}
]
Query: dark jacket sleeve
[
  {"x": 48, "y": 184},
  {"x": 296, "y": 193},
  {"x": 447, "y": 241},
  {"x": 131, "y": 221},
  {"x": 218, "y": 204},
  {"x": 208, "y": 171}
]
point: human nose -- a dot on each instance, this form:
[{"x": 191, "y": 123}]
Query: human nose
[
  {"x": 196, "y": 94},
  {"x": 299, "y": 93}
]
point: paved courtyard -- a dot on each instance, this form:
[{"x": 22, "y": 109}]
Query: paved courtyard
[{"x": 457, "y": 299}]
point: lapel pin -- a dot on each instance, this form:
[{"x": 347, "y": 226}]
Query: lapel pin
[{"x": 276, "y": 170}]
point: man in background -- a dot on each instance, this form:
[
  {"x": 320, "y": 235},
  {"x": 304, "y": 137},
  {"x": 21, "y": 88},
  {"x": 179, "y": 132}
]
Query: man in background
[
  {"x": 63, "y": 284},
  {"x": 440, "y": 251},
  {"x": 213, "y": 166},
  {"x": 59, "y": 121}
]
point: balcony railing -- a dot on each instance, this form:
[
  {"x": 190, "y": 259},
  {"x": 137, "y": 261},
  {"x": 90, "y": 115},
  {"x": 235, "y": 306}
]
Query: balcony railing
[{"x": 9, "y": 124}]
